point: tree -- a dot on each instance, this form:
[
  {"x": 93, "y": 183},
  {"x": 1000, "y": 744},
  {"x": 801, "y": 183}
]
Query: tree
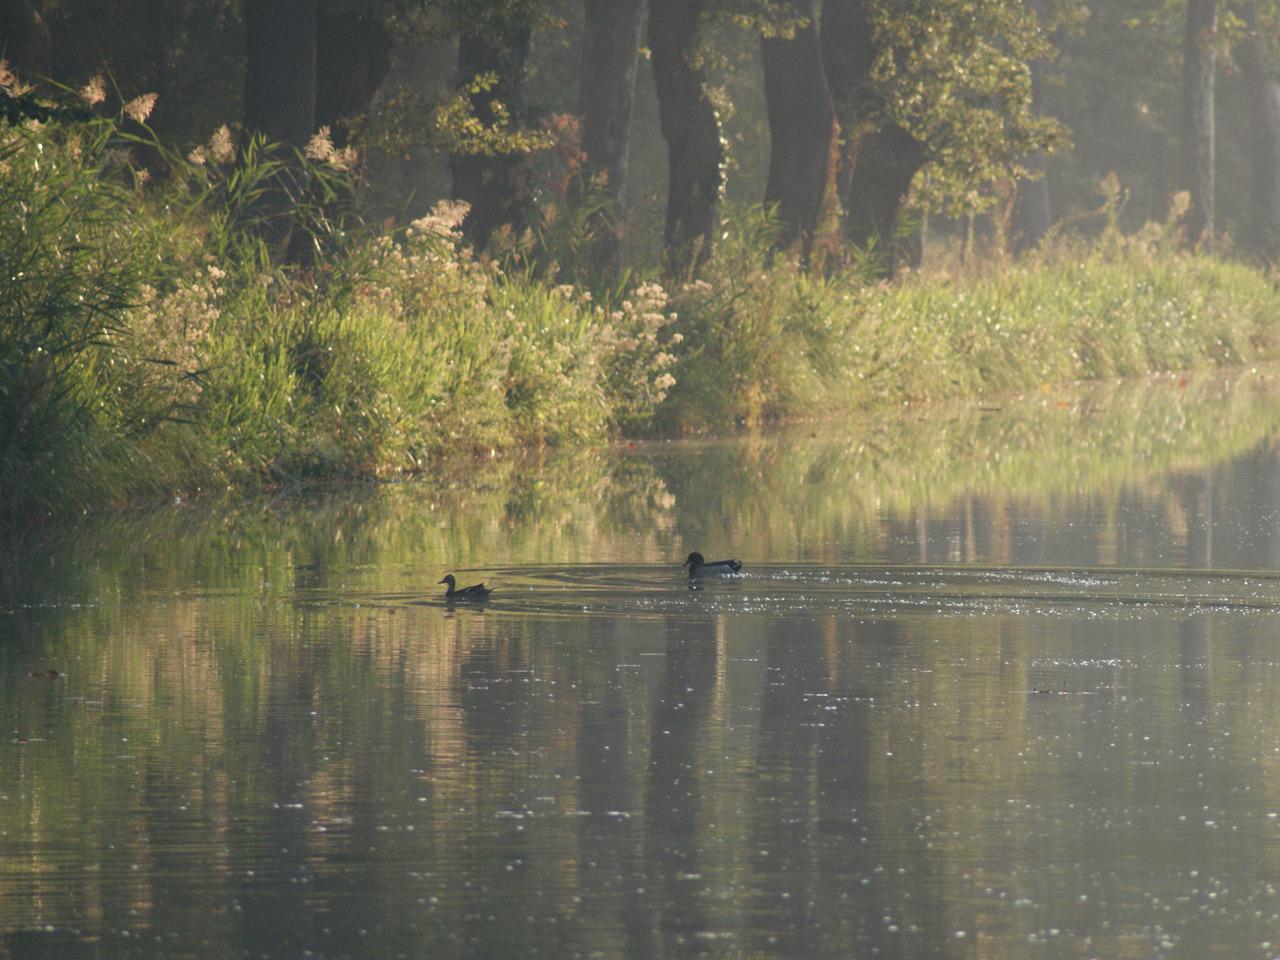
[
  {"x": 1263, "y": 93},
  {"x": 606, "y": 92},
  {"x": 695, "y": 153},
  {"x": 280, "y": 80},
  {"x": 1032, "y": 214},
  {"x": 943, "y": 86},
  {"x": 493, "y": 48},
  {"x": 1198, "y": 173},
  {"x": 802, "y": 126},
  {"x": 879, "y": 157},
  {"x": 353, "y": 56}
]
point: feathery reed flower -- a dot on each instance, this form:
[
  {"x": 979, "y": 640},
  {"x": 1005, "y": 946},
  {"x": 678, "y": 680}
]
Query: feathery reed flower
[
  {"x": 320, "y": 146},
  {"x": 444, "y": 220},
  {"x": 95, "y": 91},
  {"x": 140, "y": 107},
  {"x": 220, "y": 146}
]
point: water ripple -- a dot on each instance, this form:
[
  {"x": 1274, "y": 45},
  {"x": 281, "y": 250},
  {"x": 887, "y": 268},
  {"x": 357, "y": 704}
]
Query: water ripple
[{"x": 790, "y": 590}]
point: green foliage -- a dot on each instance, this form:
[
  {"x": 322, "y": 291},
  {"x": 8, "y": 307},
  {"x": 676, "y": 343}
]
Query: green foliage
[
  {"x": 495, "y": 20},
  {"x": 956, "y": 75},
  {"x": 452, "y": 124},
  {"x": 411, "y": 353},
  {"x": 75, "y": 384},
  {"x": 1116, "y": 85}
]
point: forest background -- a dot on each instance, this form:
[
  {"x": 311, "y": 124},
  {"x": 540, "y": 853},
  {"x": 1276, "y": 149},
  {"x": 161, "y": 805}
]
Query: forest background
[{"x": 258, "y": 242}]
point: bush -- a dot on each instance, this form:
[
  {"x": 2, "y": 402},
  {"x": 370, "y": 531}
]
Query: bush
[{"x": 78, "y": 387}]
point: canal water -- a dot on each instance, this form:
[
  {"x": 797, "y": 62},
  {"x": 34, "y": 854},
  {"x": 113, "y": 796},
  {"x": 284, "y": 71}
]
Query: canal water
[{"x": 997, "y": 681}]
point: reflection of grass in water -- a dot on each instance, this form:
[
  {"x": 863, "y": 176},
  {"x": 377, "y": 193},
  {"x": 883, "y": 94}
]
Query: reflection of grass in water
[
  {"x": 1092, "y": 440},
  {"x": 820, "y": 483}
]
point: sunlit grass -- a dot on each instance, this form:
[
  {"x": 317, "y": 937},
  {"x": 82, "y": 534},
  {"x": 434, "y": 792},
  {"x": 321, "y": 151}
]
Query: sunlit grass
[{"x": 769, "y": 341}]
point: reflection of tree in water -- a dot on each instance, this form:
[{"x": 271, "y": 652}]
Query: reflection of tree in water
[
  {"x": 675, "y": 897},
  {"x": 817, "y": 887},
  {"x": 607, "y": 801},
  {"x": 784, "y": 824},
  {"x": 495, "y": 696},
  {"x": 287, "y": 744},
  {"x": 492, "y": 695}
]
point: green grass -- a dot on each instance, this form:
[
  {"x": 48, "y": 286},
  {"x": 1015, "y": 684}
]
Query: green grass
[
  {"x": 151, "y": 343},
  {"x": 768, "y": 342}
]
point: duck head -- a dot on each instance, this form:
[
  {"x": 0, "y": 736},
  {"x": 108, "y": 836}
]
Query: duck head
[
  {"x": 450, "y": 581},
  {"x": 695, "y": 560}
]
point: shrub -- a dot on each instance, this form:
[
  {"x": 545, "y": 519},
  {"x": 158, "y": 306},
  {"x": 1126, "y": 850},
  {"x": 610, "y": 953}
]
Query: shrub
[{"x": 77, "y": 386}]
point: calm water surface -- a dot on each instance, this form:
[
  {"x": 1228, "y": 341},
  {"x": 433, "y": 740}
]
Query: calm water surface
[{"x": 998, "y": 683}]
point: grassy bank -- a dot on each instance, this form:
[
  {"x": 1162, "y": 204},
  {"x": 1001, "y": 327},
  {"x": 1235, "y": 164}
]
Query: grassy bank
[
  {"x": 150, "y": 344},
  {"x": 771, "y": 342}
]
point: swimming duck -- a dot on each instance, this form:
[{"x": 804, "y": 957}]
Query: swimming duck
[
  {"x": 476, "y": 592},
  {"x": 698, "y": 567}
]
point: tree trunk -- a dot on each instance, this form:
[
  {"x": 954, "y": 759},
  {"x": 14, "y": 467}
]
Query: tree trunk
[
  {"x": 610, "y": 49},
  {"x": 353, "y": 53},
  {"x": 493, "y": 185},
  {"x": 280, "y": 82},
  {"x": 1197, "y": 119},
  {"x": 1032, "y": 215},
  {"x": 882, "y": 165},
  {"x": 801, "y": 129},
  {"x": 695, "y": 154},
  {"x": 1263, "y": 91},
  {"x": 24, "y": 40},
  {"x": 280, "y": 102},
  {"x": 848, "y": 52},
  {"x": 879, "y": 158}
]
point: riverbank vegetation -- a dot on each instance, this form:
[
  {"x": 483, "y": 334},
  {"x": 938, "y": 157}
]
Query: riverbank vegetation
[
  {"x": 155, "y": 348},
  {"x": 258, "y": 309}
]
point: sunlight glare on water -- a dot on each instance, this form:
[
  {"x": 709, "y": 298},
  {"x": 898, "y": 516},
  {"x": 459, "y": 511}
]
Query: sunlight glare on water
[{"x": 1020, "y": 702}]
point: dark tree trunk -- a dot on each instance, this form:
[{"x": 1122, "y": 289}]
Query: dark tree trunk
[
  {"x": 494, "y": 186},
  {"x": 1032, "y": 215},
  {"x": 610, "y": 49},
  {"x": 1197, "y": 119},
  {"x": 24, "y": 40},
  {"x": 280, "y": 82},
  {"x": 1263, "y": 91},
  {"x": 280, "y": 103},
  {"x": 353, "y": 53},
  {"x": 801, "y": 128},
  {"x": 848, "y": 52},
  {"x": 695, "y": 155},
  {"x": 879, "y": 158},
  {"x": 882, "y": 165}
]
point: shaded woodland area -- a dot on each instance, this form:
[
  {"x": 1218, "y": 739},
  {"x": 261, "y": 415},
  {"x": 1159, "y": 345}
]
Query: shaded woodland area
[{"x": 849, "y": 119}]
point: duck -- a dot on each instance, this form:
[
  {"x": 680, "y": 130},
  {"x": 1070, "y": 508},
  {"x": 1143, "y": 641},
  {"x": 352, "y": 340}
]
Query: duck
[
  {"x": 699, "y": 567},
  {"x": 477, "y": 592}
]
